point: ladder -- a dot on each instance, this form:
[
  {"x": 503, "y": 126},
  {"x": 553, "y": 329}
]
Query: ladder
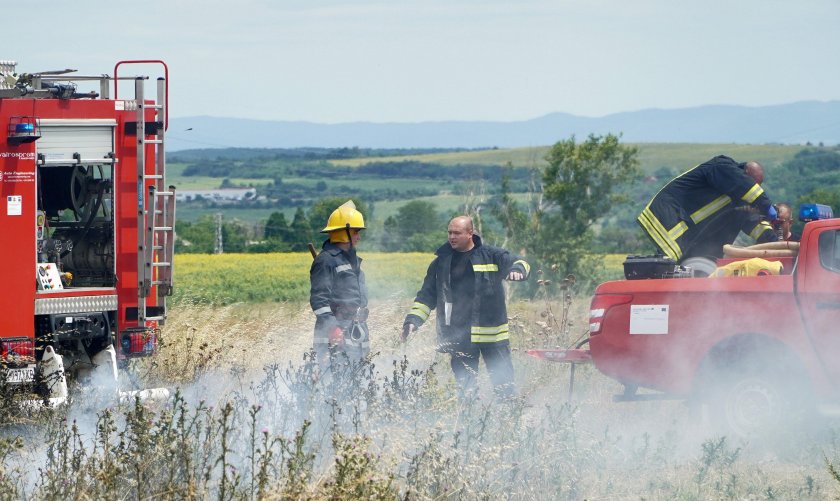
[{"x": 155, "y": 210}]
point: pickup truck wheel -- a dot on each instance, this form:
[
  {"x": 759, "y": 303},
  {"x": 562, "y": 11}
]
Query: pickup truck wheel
[{"x": 751, "y": 405}]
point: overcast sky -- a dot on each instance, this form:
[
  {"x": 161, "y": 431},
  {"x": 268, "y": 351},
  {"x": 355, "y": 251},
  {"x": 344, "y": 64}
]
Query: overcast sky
[{"x": 428, "y": 60}]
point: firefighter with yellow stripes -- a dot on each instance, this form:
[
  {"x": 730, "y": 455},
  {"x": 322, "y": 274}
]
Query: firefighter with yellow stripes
[
  {"x": 338, "y": 293},
  {"x": 698, "y": 212},
  {"x": 464, "y": 284}
]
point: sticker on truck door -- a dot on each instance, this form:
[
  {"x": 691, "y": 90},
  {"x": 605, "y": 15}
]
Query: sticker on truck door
[{"x": 649, "y": 319}]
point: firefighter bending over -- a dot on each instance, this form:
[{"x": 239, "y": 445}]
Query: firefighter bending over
[
  {"x": 698, "y": 212},
  {"x": 464, "y": 283},
  {"x": 338, "y": 294}
]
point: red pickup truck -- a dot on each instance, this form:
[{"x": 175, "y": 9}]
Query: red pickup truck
[{"x": 750, "y": 349}]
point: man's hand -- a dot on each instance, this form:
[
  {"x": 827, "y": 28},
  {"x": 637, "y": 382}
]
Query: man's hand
[
  {"x": 408, "y": 329},
  {"x": 515, "y": 276},
  {"x": 337, "y": 337}
]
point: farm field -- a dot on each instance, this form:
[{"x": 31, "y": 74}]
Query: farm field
[
  {"x": 220, "y": 279},
  {"x": 680, "y": 156}
]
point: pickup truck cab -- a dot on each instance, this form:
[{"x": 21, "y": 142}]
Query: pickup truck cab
[{"x": 749, "y": 349}]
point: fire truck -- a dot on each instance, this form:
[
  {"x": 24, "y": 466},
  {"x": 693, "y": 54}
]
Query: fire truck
[{"x": 87, "y": 223}]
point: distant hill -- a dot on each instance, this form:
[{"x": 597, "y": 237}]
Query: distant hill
[{"x": 795, "y": 123}]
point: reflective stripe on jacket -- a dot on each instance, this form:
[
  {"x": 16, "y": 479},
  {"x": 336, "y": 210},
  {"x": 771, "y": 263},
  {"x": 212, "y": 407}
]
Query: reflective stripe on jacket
[{"x": 490, "y": 265}]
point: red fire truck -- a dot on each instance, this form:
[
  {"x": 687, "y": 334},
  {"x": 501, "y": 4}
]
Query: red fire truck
[
  {"x": 750, "y": 350},
  {"x": 87, "y": 223}
]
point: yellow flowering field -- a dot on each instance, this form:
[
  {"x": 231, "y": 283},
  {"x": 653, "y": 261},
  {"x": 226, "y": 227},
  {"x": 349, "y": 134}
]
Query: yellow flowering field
[
  {"x": 257, "y": 278},
  {"x": 276, "y": 277}
]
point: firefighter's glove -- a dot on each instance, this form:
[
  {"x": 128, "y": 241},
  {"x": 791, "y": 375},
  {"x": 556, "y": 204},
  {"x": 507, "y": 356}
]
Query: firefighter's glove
[
  {"x": 772, "y": 214},
  {"x": 409, "y": 328},
  {"x": 336, "y": 337}
]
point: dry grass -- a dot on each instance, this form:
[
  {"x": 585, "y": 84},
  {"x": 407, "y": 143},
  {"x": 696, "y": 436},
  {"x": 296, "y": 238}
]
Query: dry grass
[
  {"x": 253, "y": 421},
  {"x": 651, "y": 450}
]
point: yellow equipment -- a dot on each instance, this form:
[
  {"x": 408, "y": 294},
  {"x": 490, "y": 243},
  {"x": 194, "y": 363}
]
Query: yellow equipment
[{"x": 754, "y": 267}]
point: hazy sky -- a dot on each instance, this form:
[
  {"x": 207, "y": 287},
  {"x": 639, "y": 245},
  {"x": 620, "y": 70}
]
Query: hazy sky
[{"x": 413, "y": 60}]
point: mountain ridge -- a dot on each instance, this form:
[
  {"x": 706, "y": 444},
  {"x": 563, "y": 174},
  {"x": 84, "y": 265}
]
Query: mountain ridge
[{"x": 791, "y": 123}]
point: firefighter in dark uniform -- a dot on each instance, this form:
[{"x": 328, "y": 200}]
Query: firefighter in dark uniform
[
  {"x": 464, "y": 284},
  {"x": 695, "y": 214},
  {"x": 338, "y": 294}
]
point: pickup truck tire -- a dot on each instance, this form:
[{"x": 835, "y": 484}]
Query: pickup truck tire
[
  {"x": 749, "y": 405},
  {"x": 751, "y": 388}
]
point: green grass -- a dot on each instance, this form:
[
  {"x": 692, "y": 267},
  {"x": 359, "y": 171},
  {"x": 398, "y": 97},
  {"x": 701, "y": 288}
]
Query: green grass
[
  {"x": 679, "y": 156},
  {"x": 682, "y": 157},
  {"x": 175, "y": 176},
  {"x": 516, "y": 156}
]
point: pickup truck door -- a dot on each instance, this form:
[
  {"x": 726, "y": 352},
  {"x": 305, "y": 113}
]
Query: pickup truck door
[{"x": 819, "y": 297}]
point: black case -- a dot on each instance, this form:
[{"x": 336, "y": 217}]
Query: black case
[{"x": 640, "y": 267}]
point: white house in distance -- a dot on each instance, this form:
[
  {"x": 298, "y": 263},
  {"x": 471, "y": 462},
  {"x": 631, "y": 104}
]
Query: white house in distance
[{"x": 219, "y": 195}]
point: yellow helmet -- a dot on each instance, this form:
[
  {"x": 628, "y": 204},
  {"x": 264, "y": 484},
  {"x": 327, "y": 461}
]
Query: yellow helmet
[{"x": 346, "y": 216}]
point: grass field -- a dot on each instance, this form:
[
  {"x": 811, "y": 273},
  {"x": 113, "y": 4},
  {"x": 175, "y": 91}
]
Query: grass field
[
  {"x": 220, "y": 279},
  {"x": 679, "y": 156},
  {"x": 258, "y": 278}
]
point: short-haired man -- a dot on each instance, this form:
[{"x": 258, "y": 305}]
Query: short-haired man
[{"x": 464, "y": 284}]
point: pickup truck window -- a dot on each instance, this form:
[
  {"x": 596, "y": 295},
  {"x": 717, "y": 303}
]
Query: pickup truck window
[{"x": 829, "y": 245}]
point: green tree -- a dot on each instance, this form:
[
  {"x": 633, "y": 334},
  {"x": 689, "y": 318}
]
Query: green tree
[
  {"x": 578, "y": 187},
  {"x": 416, "y": 227},
  {"x": 198, "y": 237},
  {"x": 235, "y": 236},
  {"x": 276, "y": 227},
  {"x": 301, "y": 231}
]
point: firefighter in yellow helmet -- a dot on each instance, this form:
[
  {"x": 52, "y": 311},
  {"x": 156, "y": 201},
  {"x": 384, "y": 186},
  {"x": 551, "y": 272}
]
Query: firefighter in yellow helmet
[{"x": 338, "y": 294}]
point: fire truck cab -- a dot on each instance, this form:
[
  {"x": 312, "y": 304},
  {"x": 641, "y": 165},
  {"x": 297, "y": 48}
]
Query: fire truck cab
[{"x": 87, "y": 224}]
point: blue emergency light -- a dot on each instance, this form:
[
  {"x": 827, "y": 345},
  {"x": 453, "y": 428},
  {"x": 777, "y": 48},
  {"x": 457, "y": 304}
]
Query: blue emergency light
[
  {"x": 24, "y": 128},
  {"x": 813, "y": 212}
]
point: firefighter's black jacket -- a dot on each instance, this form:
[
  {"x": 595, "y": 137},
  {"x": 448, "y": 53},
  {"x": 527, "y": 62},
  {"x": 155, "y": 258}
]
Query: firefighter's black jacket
[
  {"x": 489, "y": 323},
  {"x": 337, "y": 293},
  {"x": 698, "y": 212}
]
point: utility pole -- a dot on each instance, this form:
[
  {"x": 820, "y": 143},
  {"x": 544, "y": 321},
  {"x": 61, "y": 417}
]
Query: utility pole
[{"x": 219, "y": 240}]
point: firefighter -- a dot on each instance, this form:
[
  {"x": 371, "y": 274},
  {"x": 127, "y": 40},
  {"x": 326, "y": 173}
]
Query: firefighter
[
  {"x": 698, "y": 212},
  {"x": 338, "y": 294},
  {"x": 784, "y": 223},
  {"x": 464, "y": 284}
]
